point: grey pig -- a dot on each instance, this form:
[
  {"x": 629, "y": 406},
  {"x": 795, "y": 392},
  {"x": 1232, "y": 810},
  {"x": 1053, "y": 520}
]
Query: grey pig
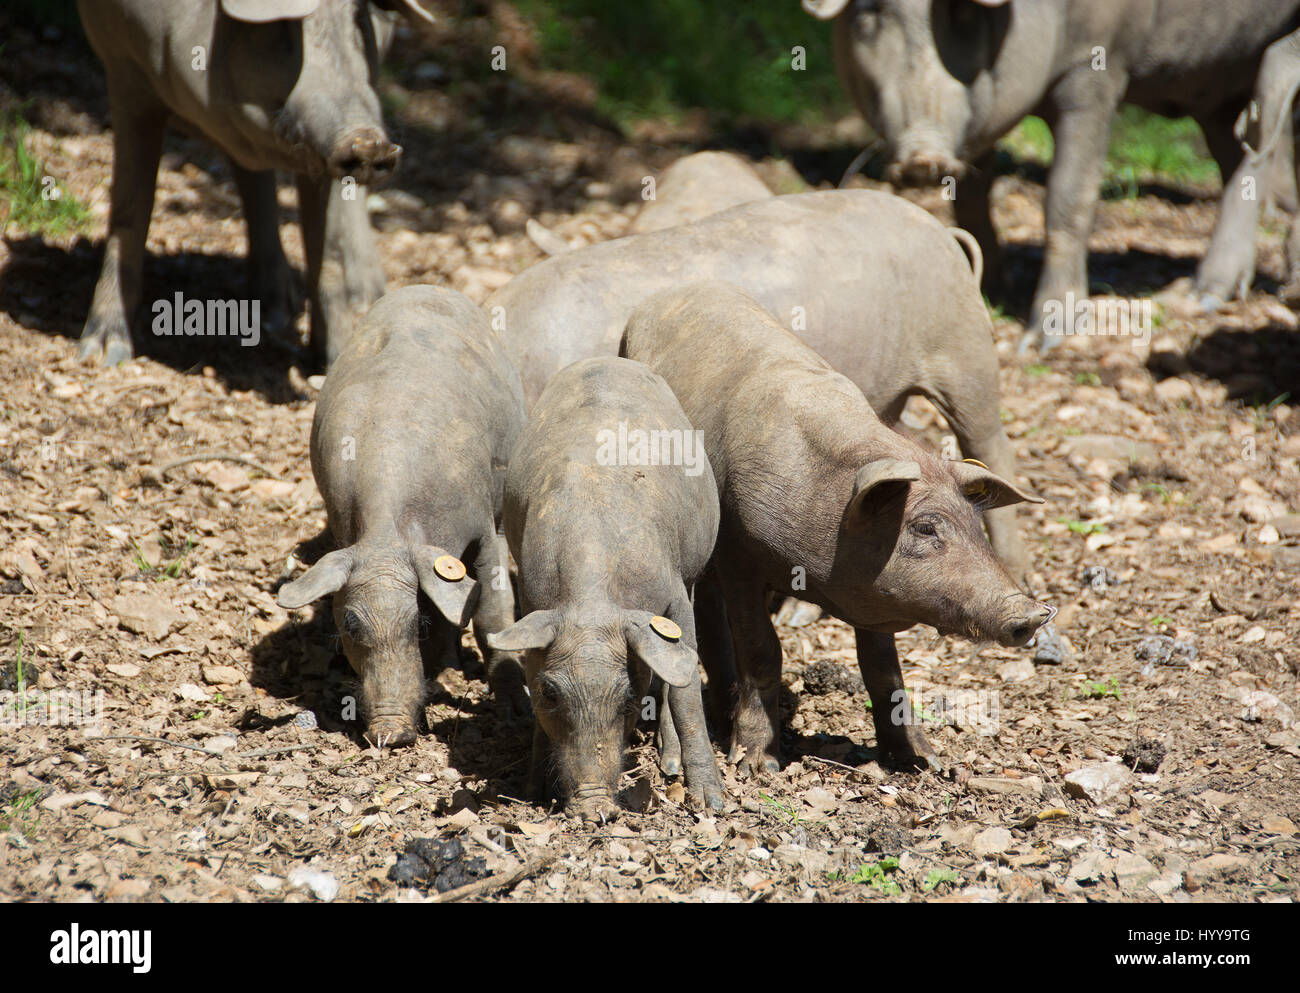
[
  {"x": 610, "y": 529},
  {"x": 696, "y": 186},
  {"x": 942, "y": 80},
  {"x": 275, "y": 84},
  {"x": 874, "y": 284},
  {"x": 821, "y": 501},
  {"x": 409, "y": 444}
]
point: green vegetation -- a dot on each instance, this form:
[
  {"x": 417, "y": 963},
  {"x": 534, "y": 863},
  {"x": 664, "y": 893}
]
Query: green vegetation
[
  {"x": 873, "y": 874},
  {"x": 937, "y": 877},
  {"x": 1144, "y": 148},
  {"x": 1098, "y": 690},
  {"x": 656, "y": 60},
  {"x": 21, "y": 813},
  {"x": 31, "y": 199},
  {"x": 1082, "y": 527}
]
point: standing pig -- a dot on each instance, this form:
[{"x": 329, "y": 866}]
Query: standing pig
[
  {"x": 611, "y": 513},
  {"x": 874, "y": 284},
  {"x": 696, "y": 186},
  {"x": 275, "y": 84},
  {"x": 408, "y": 446},
  {"x": 942, "y": 80},
  {"x": 822, "y": 501}
]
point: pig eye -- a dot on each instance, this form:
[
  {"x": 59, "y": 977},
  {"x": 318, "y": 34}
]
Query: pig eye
[
  {"x": 925, "y": 528},
  {"x": 549, "y": 691},
  {"x": 353, "y": 626}
]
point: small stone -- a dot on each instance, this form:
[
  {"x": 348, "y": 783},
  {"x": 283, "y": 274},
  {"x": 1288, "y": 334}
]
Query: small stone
[
  {"x": 1050, "y": 646},
  {"x": 1029, "y": 786},
  {"x": 1099, "y": 783},
  {"x": 145, "y": 614},
  {"x": 1133, "y": 871},
  {"x": 1276, "y": 824},
  {"x": 322, "y": 885},
  {"x": 305, "y": 719},
  {"x": 222, "y": 675},
  {"x": 992, "y": 841},
  {"x": 1223, "y": 867},
  {"x": 1016, "y": 670}
]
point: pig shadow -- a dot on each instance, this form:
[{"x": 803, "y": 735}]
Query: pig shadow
[
  {"x": 1256, "y": 366},
  {"x": 48, "y": 288}
]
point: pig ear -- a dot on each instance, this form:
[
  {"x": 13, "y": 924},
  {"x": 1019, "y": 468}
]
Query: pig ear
[
  {"x": 881, "y": 478},
  {"x": 408, "y": 7},
  {"x": 445, "y": 581},
  {"x": 329, "y": 575},
  {"x": 985, "y": 488},
  {"x": 824, "y": 10},
  {"x": 261, "y": 11},
  {"x": 656, "y": 641},
  {"x": 537, "y": 630}
]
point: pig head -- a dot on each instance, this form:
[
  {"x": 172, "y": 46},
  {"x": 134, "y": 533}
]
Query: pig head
[{"x": 589, "y": 667}]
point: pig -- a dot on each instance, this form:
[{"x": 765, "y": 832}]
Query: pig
[
  {"x": 611, "y": 513},
  {"x": 275, "y": 84},
  {"x": 409, "y": 445},
  {"x": 942, "y": 80},
  {"x": 822, "y": 501},
  {"x": 873, "y": 283},
  {"x": 696, "y": 186}
]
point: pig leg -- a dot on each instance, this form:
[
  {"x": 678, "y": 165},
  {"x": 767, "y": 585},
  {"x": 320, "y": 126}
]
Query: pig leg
[
  {"x": 270, "y": 278},
  {"x": 1228, "y": 267},
  {"x": 685, "y": 713},
  {"x": 756, "y": 727},
  {"x": 1229, "y": 264},
  {"x": 973, "y": 211},
  {"x": 901, "y": 741},
  {"x": 138, "y": 124},
  {"x": 1085, "y": 102},
  {"x": 714, "y": 634},
  {"x": 541, "y": 786},
  {"x": 496, "y": 612},
  {"x": 344, "y": 273}
]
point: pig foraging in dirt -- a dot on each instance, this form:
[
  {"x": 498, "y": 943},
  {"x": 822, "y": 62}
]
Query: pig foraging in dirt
[
  {"x": 409, "y": 445},
  {"x": 942, "y": 80},
  {"x": 874, "y": 284},
  {"x": 609, "y": 535},
  {"x": 821, "y": 501},
  {"x": 275, "y": 84},
  {"x": 696, "y": 186}
]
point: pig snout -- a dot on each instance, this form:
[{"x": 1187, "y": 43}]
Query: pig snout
[
  {"x": 925, "y": 168},
  {"x": 593, "y": 802},
  {"x": 366, "y": 155},
  {"x": 1024, "y": 617},
  {"x": 391, "y": 731}
]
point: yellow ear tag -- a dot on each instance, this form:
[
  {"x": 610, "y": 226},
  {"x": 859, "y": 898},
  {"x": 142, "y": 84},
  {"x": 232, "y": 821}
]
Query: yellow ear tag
[
  {"x": 665, "y": 628},
  {"x": 978, "y": 463},
  {"x": 449, "y": 568}
]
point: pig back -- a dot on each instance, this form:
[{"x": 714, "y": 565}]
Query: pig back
[
  {"x": 609, "y": 460},
  {"x": 859, "y": 272},
  {"x": 423, "y": 390}
]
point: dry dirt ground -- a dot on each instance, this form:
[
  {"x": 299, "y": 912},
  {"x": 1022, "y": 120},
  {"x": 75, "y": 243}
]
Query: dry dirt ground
[{"x": 1118, "y": 766}]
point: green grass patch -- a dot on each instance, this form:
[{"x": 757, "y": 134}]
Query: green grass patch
[
  {"x": 1144, "y": 148},
  {"x": 656, "y": 60},
  {"x": 30, "y": 198}
]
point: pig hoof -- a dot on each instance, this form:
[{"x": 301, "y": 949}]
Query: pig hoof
[
  {"x": 117, "y": 352},
  {"x": 91, "y": 347},
  {"x": 670, "y": 766}
]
